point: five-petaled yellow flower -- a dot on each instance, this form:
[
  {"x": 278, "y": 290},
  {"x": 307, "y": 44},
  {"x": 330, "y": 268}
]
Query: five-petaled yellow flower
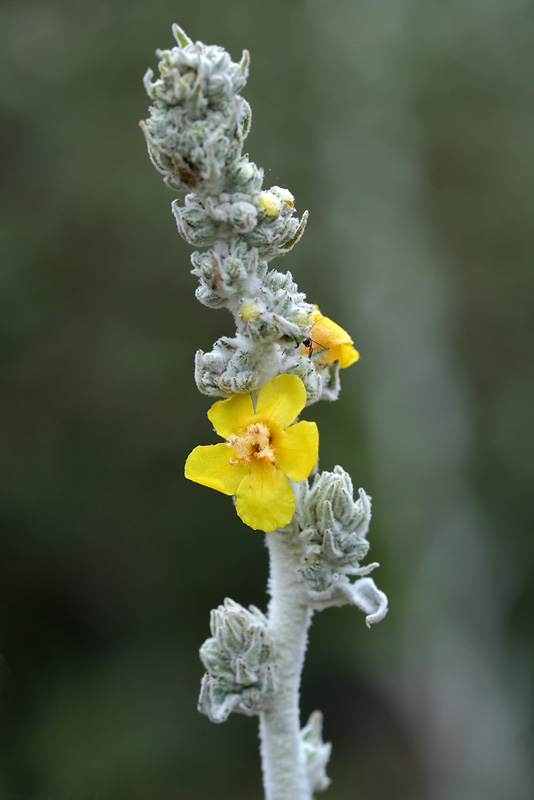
[
  {"x": 263, "y": 449},
  {"x": 329, "y": 342}
]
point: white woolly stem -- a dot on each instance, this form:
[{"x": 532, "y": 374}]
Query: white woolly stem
[{"x": 283, "y": 762}]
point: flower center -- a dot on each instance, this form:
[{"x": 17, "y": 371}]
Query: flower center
[{"x": 252, "y": 442}]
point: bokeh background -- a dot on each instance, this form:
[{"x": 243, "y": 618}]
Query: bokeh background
[{"x": 407, "y": 129}]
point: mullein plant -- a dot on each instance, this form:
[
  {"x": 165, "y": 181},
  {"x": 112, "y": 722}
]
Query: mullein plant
[{"x": 285, "y": 355}]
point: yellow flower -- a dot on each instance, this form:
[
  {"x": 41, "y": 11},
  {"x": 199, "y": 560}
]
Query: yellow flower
[
  {"x": 329, "y": 341},
  {"x": 250, "y": 311},
  {"x": 262, "y": 450},
  {"x": 270, "y": 204}
]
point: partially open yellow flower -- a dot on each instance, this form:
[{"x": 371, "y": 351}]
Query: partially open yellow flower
[
  {"x": 250, "y": 311},
  {"x": 270, "y": 204},
  {"x": 329, "y": 341},
  {"x": 262, "y": 450}
]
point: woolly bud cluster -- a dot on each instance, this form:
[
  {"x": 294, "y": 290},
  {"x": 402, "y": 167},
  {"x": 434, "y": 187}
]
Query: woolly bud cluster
[
  {"x": 334, "y": 528},
  {"x": 236, "y": 365},
  {"x": 237, "y": 657},
  {"x": 198, "y": 121},
  {"x": 195, "y": 133},
  {"x": 204, "y": 219}
]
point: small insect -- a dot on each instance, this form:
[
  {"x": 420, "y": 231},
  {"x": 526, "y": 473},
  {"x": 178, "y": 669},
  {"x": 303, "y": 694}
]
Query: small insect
[{"x": 308, "y": 343}]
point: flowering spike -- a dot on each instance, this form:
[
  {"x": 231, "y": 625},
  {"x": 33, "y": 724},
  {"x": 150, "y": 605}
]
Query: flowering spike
[
  {"x": 195, "y": 133},
  {"x": 284, "y": 356}
]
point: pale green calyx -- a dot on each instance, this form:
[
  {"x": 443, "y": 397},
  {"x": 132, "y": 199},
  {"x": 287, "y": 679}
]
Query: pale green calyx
[
  {"x": 237, "y": 657},
  {"x": 334, "y": 529},
  {"x": 195, "y": 134},
  {"x": 316, "y": 752}
]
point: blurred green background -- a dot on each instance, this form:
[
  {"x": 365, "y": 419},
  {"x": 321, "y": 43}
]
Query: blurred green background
[{"x": 407, "y": 129}]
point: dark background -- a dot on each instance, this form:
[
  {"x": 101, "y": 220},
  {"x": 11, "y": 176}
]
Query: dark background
[{"x": 407, "y": 129}]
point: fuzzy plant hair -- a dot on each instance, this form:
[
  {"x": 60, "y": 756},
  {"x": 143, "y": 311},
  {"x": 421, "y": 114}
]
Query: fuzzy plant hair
[{"x": 283, "y": 357}]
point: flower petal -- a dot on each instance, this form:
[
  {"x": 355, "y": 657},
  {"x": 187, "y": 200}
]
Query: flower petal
[
  {"x": 330, "y": 332},
  {"x": 297, "y": 449},
  {"x": 210, "y": 466},
  {"x": 264, "y": 498},
  {"x": 281, "y": 400},
  {"x": 332, "y": 339},
  {"x": 345, "y": 353},
  {"x": 228, "y": 416}
]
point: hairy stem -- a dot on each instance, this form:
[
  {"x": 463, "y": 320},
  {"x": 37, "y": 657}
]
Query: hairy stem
[{"x": 283, "y": 762}]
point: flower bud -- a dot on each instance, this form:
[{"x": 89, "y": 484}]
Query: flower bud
[
  {"x": 237, "y": 657},
  {"x": 334, "y": 529}
]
